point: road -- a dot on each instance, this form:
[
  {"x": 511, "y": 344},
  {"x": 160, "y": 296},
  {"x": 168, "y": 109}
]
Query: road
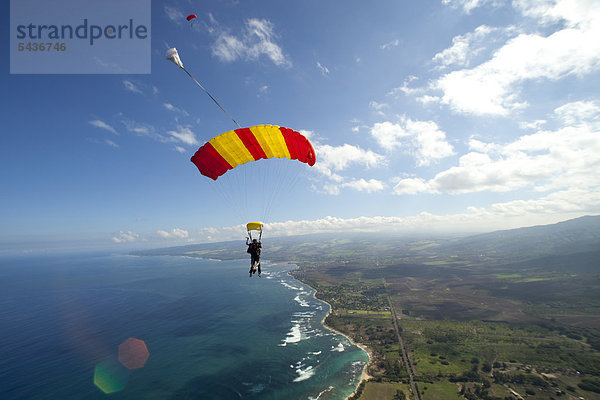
[{"x": 405, "y": 358}]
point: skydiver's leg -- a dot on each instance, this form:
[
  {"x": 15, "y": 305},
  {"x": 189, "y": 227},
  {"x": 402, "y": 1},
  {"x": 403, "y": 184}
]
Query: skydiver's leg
[
  {"x": 259, "y": 272},
  {"x": 253, "y": 269}
]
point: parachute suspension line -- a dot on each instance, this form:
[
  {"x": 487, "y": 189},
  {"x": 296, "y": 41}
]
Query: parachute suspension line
[
  {"x": 173, "y": 55},
  {"x": 209, "y": 95}
]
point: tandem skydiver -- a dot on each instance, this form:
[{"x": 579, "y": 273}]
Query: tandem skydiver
[{"x": 254, "y": 250}]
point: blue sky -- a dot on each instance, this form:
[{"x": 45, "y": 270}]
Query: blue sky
[{"x": 449, "y": 115}]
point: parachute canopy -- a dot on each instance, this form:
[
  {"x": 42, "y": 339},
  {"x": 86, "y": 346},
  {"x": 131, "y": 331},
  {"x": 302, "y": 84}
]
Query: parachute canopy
[
  {"x": 191, "y": 17},
  {"x": 254, "y": 226},
  {"x": 233, "y": 148},
  {"x": 174, "y": 56}
]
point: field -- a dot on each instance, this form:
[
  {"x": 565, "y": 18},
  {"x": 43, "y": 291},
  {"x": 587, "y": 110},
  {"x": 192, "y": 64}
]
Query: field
[
  {"x": 471, "y": 330},
  {"x": 504, "y": 315}
]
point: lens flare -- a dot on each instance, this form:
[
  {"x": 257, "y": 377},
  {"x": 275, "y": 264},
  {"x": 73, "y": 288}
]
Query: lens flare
[
  {"x": 111, "y": 376},
  {"x": 133, "y": 353}
]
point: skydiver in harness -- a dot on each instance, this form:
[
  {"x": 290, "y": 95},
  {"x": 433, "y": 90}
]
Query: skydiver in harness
[
  {"x": 254, "y": 247},
  {"x": 254, "y": 250}
]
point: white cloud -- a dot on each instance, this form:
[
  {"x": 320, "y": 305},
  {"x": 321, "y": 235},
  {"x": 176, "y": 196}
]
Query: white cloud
[
  {"x": 393, "y": 43},
  {"x": 427, "y": 99},
  {"x": 562, "y": 159},
  {"x": 111, "y": 143},
  {"x": 124, "y": 237},
  {"x": 171, "y": 107},
  {"x": 411, "y": 186},
  {"x": 582, "y": 13},
  {"x": 103, "y": 125},
  {"x": 378, "y": 107},
  {"x": 140, "y": 129},
  {"x": 184, "y": 135},
  {"x": 256, "y": 40},
  {"x": 552, "y": 208},
  {"x": 493, "y": 87},
  {"x": 175, "y": 233},
  {"x": 423, "y": 139},
  {"x": 324, "y": 70},
  {"x": 263, "y": 90},
  {"x": 405, "y": 89},
  {"x": 537, "y": 124},
  {"x": 464, "y": 47},
  {"x": 469, "y": 5},
  {"x": 307, "y": 134},
  {"x": 174, "y": 15},
  {"x": 362, "y": 185},
  {"x": 338, "y": 158},
  {"x": 579, "y": 112},
  {"x": 130, "y": 86}
]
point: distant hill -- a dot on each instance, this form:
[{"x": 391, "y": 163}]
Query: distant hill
[
  {"x": 567, "y": 237},
  {"x": 573, "y": 236}
]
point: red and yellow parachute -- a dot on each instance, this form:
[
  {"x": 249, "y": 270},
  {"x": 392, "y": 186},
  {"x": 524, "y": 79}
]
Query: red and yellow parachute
[{"x": 237, "y": 147}]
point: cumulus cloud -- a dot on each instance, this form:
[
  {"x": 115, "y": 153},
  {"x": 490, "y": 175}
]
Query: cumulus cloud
[
  {"x": 362, "y": 185},
  {"x": 423, "y": 139},
  {"x": 493, "y": 87},
  {"x": 464, "y": 47},
  {"x": 175, "y": 233},
  {"x": 544, "y": 161},
  {"x": 338, "y": 158},
  {"x": 124, "y": 237},
  {"x": 334, "y": 159},
  {"x": 103, "y": 125},
  {"x": 579, "y": 112},
  {"x": 546, "y": 209},
  {"x": 257, "y": 39},
  {"x": 184, "y": 135},
  {"x": 411, "y": 186}
]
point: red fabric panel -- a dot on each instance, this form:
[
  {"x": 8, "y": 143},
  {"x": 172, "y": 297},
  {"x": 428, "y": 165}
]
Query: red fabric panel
[
  {"x": 290, "y": 141},
  {"x": 209, "y": 162},
  {"x": 299, "y": 146},
  {"x": 247, "y": 137}
]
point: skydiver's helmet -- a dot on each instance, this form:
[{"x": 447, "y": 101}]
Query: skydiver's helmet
[{"x": 254, "y": 241}]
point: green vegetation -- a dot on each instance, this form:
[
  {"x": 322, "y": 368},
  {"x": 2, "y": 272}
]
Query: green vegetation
[{"x": 506, "y": 315}]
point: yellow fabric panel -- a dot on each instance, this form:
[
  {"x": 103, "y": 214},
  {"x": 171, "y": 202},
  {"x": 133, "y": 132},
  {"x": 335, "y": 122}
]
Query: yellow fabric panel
[
  {"x": 231, "y": 148},
  {"x": 254, "y": 226},
  {"x": 271, "y": 140}
]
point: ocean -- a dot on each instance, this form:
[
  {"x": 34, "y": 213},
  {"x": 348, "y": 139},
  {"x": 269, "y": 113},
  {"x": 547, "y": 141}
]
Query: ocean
[{"x": 92, "y": 326}]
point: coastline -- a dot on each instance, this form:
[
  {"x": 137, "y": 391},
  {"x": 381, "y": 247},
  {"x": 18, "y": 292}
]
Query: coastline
[{"x": 364, "y": 377}]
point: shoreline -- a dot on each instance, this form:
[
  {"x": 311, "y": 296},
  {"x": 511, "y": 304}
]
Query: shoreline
[{"x": 364, "y": 377}]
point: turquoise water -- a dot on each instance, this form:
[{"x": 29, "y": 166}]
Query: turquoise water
[{"x": 210, "y": 330}]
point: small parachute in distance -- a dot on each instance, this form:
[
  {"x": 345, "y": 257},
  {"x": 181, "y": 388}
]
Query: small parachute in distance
[
  {"x": 191, "y": 19},
  {"x": 233, "y": 148}
]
